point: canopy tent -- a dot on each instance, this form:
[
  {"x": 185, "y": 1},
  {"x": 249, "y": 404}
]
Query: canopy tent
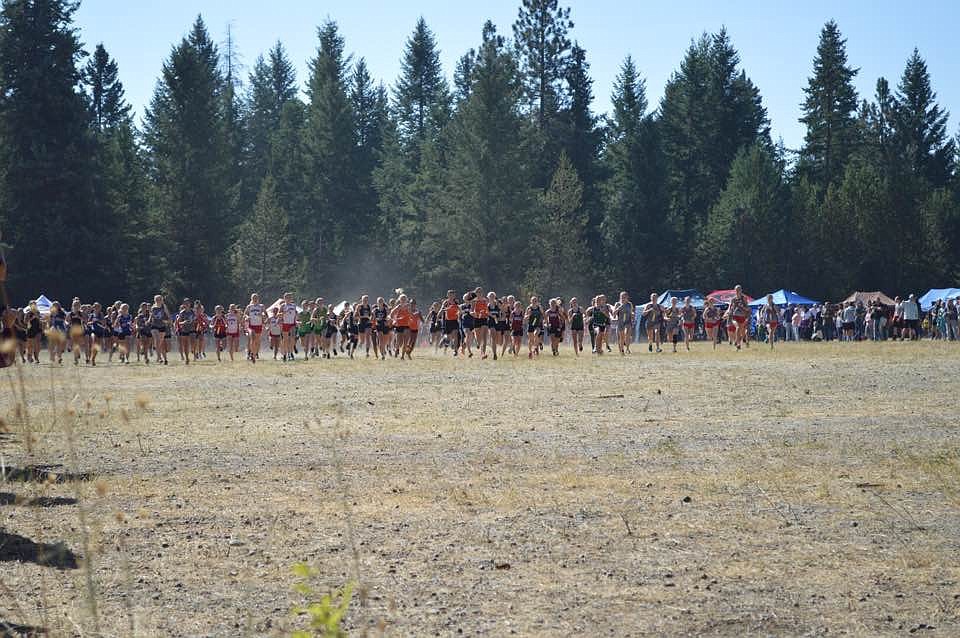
[
  {"x": 858, "y": 296},
  {"x": 785, "y": 298},
  {"x": 277, "y": 304},
  {"x": 43, "y": 304},
  {"x": 724, "y": 296},
  {"x": 340, "y": 307},
  {"x": 937, "y": 294},
  {"x": 697, "y": 299}
]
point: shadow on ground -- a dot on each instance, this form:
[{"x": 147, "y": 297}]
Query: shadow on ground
[
  {"x": 14, "y": 547},
  {"x": 13, "y": 630},
  {"x": 9, "y": 498},
  {"x": 43, "y": 474}
]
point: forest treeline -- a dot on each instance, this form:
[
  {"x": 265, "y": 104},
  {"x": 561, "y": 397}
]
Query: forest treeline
[{"x": 505, "y": 177}]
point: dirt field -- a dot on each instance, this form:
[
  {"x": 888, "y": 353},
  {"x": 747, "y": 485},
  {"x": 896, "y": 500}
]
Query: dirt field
[{"x": 814, "y": 490}]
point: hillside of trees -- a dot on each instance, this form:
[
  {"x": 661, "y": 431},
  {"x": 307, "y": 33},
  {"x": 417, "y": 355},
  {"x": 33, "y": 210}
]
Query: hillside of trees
[{"x": 505, "y": 177}]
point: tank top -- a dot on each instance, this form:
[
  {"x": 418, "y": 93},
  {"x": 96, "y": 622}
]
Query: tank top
[
  {"x": 494, "y": 311},
  {"x": 453, "y": 312},
  {"x": 233, "y": 324},
  {"x": 516, "y": 320},
  {"x": 481, "y": 308},
  {"x": 255, "y": 314},
  {"x": 553, "y": 319}
]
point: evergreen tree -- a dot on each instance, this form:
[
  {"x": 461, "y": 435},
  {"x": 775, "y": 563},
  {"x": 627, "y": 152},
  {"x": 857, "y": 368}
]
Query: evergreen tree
[
  {"x": 634, "y": 195},
  {"x": 370, "y": 109},
  {"x": 261, "y": 256},
  {"x": 45, "y": 152},
  {"x": 746, "y": 235},
  {"x": 710, "y": 111},
  {"x": 540, "y": 35},
  {"x": 921, "y": 125},
  {"x": 105, "y": 91},
  {"x": 421, "y": 95},
  {"x": 331, "y": 148},
  {"x": 877, "y": 120},
  {"x": 560, "y": 258},
  {"x": 272, "y": 85},
  {"x": 190, "y": 166},
  {"x": 463, "y": 76},
  {"x": 828, "y": 110},
  {"x": 120, "y": 206},
  {"x": 480, "y": 232},
  {"x": 582, "y": 146}
]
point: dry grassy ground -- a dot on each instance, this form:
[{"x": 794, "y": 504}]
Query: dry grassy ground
[{"x": 812, "y": 490}]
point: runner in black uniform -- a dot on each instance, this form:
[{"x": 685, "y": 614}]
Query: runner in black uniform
[
  {"x": 363, "y": 313},
  {"x": 576, "y": 326},
  {"x": 382, "y": 333},
  {"x": 534, "y": 317}
]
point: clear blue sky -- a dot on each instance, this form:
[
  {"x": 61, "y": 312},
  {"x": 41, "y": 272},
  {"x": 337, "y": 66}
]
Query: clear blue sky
[{"x": 776, "y": 40}]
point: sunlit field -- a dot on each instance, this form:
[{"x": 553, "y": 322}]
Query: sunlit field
[{"x": 810, "y": 490}]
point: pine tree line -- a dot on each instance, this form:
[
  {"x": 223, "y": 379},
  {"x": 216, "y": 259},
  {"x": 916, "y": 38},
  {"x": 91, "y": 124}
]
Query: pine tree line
[{"x": 507, "y": 177}]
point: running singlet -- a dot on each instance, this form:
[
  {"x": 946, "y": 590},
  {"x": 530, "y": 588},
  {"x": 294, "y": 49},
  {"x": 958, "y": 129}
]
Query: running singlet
[
  {"x": 124, "y": 325},
  {"x": 576, "y": 320},
  {"x": 600, "y": 317},
  {"x": 274, "y": 326},
  {"x": 219, "y": 327},
  {"x": 452, "y": 312},
  {"x": 157, "y": 317},
  {"x": 188, "y": 321},
  {"x": 553, "y": 320},
  {"x": 481, "y": 309},
  {"x": 516, "y": 321},
  {"x": 233, "y": 324},
  {"x": 289, "y": 311},
  {"x": 536, "y": 316},
  {"x": 255, "y": 314}
]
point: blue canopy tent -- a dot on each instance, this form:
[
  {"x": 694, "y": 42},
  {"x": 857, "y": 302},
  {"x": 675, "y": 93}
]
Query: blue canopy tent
[
  {"x": 697, "y": 300},
  {"x": 43, "y": 304},
  {"x": 937, "y": 294},
  {"x": 784, "y": 298}
]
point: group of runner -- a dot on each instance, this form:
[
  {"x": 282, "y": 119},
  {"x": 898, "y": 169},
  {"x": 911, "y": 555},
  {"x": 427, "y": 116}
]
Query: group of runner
[{"x": 476, "y": 322}]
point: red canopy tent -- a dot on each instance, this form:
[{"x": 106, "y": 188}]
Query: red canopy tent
[{"x": 724, "y": 296}]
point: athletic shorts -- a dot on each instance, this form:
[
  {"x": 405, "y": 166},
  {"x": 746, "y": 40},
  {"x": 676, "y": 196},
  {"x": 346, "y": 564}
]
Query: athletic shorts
[
  {"x": 364, "y": 325},
  {"x": 688, "y": 326},
  {"x": 600, "y": 327},
  {"x": 400, "y": 329},
  {"x": 467, "y": 322},
  {"x": 502, "y": 326},
  {"x": 555, "y": 332},
  {"x": 731, "y": 327},
  {"x": 912, "y": 324},
  {"x": 773, "y": 325},
  {"x": 331, "y": 330},
  {"x": 710, "y": 325},
  {"x": 848, "y": 325},
  {"x": 517, "y": 333},
  {"x": 233, "y": 335},
  {"x": 450, "y": 325},
  {"x": 185, "y": 333},
  {"x": 256, "y": 329},
  {"x": 287, "y": 327},
  {"x": 533, "y": 328},
  {"x": 434, "y": 328},
  {"x": 219, "y": 335},
  {"x": 382, "y": 327}
]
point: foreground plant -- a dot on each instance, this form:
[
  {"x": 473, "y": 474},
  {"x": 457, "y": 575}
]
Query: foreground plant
[{"x": 324, "y": 613}]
